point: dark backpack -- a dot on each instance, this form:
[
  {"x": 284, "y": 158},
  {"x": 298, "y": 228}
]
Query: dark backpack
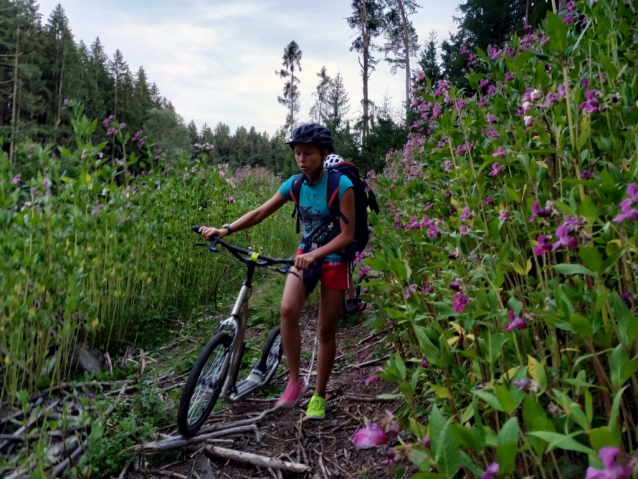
[{"x": 363, "y": 199}]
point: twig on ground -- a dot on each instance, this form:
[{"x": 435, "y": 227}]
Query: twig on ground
[
  {"x": 175, "y": 442},
  {"x": 257, "y": 460},
  {"x": 60, "y": 468},
  {"x": 368, "y": 363},
  {"x": 162, "y": 473},
  {"x": 312, "y": 362},
  {"x": 349, "y": 397}
]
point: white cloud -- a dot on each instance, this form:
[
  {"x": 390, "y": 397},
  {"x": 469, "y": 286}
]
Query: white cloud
[{"x": 215, "y": 59}]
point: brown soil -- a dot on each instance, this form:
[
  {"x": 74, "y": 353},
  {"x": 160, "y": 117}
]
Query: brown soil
[{"x": 326, "y": 445}]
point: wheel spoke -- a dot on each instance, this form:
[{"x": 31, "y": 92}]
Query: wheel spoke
[{"x": 206, "y": 384}]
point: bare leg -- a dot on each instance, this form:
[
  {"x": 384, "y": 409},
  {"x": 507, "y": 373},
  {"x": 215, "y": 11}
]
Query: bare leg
[
  {"x": 292, "y": 302},
  {"x": 329, "y": 309}
]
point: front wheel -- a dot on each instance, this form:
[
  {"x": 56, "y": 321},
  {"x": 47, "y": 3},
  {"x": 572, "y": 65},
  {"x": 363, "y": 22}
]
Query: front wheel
[
  {"x": 271, "y": 355},
  {"x": 204, "y": 385}
]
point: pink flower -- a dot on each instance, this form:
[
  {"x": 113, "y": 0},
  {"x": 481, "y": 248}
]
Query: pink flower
[
  {"x": 515, "y": 322},
  {"x": 529, "y": 121},
  {"x": 419, "y": 75},
  {"x": 427, "y": 287},
  {"x": 459, "y": 303},
  {"x": 467, "y": 213},
  {"x": 508, "y": 77},
  {"x": 424, "y": 362},
  {"x": 489, "y": 200},
  {"x": 448, "y": 166},
  {"x": 15, "y": 180},
  {"x": 491, "y": 119},
  {"x": 590, "y": 105},
  {"x": 544, "y": 245},
  {"x": 456, "y": 285},
  {"x": 372, "y": 379},
  {"x": 496, "y": 169},
  {"x": 370, "y": 437},
  {"x": 503, "y": 215},
  {"x": 500, "y": 153},
  {"x": 66, "y": 101},
  {"x": 612, "y": 470},
  {"x": 491, "y": 471},
  {"x": 538, "y": 212},
  {"x": 463, "y": 231}
]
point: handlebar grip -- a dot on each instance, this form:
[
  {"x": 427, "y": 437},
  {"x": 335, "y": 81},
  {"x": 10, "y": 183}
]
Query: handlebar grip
[{"x": 196, "y": 229}]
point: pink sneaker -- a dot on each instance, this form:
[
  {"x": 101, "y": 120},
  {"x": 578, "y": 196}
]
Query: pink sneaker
[{"x": 291, "y": 395}]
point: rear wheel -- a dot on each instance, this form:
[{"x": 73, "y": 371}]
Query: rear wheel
[
  {"x": 204, "y": 385},
  {"x": 271, "y": 355}
]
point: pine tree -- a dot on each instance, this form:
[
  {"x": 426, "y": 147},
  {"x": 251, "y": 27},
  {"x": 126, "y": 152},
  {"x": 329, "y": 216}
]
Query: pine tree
[
  {"x": 429, "y": 62},
  {"x": 118, "y": 69},
  {"x": 337, "y": 104},
  {"x": 401, "y": 40},
  {"x": 290, "y": 60},
  {"x": 317, "y": 110},
  {"x": 367, "y": 21},
  {"x": 194, "y": 134}
]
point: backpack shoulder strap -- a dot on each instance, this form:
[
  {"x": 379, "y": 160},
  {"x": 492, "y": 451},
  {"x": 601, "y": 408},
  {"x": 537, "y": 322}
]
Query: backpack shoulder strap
[
  {"x": 295, "y": 188},
  {"x": 334, "y": 177}
]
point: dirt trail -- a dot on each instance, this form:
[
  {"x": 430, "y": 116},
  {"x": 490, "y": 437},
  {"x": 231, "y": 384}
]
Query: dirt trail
[{"x": 325, "y": 445}]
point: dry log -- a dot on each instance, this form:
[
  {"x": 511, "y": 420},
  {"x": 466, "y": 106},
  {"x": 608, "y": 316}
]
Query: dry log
[
  {"x": 256, "y": 460},
  {"x": 203, "y": 468}
]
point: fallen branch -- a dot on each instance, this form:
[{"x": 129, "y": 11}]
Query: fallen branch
[
  {"x": 368, "y": 363},
  {"x": 157, "y": 472},
  {"x": 257, "y": 460},
  {"x": 175, "y": 442},
  {"x": 367, "y": 399},
  {"x": 60, "y": 468}
]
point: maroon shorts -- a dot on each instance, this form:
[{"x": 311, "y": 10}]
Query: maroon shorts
[{"x": 335, "y": 275}]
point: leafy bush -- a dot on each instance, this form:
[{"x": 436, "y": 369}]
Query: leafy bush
[
  {"x": 509, "y": 258},
  {"x": 90, "y": 252}
]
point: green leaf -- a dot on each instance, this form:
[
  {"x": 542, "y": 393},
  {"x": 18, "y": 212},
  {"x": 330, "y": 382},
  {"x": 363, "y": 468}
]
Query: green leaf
[
  {"x": 601, "y": 437},
  {"x": 467, "y": 463},
  {"x": 489, "y": 398},
  {"x": 564, "y": 208},
  {"x": 561, "y": 441},
  {"x": 448, "y": 454},
  {"x": 613, "y": 417},
  {"x": 627, "y": 323},
  {"x": 468, "y": 438},
  {"x": 568, "y": 269},
  {"x": 509, "y": 431},
  {"x": 445, "y": 309},
  {"x": 436, "y": 425},
  {"x": 400, "y": 365},
  {"x": 557, "y": 33},
  {"x": 505, "y": 399},
  {"x": 581, "y": 325},
  {"x": 587, "y": 207},
  {"x": 591, "y": 257},
  {"x": 513, "y": 194},
  {"x": 506, "y": 457},
  {"x": 618, "y": 360}
]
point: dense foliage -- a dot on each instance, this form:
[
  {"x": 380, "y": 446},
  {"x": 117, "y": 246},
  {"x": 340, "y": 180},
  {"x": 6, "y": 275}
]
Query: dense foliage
[
  {"x": 92, "y": 252},
  {"x": 509, "y": 259}
]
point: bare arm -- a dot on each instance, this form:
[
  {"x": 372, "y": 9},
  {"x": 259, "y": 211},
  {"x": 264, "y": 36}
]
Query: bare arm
[
  {"x": 341, "y": 241},
  {"x": 251, "y": 218}
]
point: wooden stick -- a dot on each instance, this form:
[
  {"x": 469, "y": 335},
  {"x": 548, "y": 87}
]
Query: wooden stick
[
  {"x": 162, "y": 473},
  {"x": 175, "y": 442},
  {"x": 257, "y": 460},
  {"x": 368, "y": 363},
  {"x": 60, "y": 468}
]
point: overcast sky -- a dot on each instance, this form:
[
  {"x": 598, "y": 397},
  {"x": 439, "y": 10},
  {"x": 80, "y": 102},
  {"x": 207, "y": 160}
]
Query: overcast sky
[{"x": 216, "y": 59}]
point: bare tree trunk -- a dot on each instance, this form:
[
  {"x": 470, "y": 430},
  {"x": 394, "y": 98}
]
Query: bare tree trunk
[
  {"x": 292, "y": 98},
  {"x": 365, "y": 35},
  {"x": 527, "y": 13},
  {"x": 58, "y": 119},
  {"x": 408, "y": 72},
  {"x": 14, "y": 99}
]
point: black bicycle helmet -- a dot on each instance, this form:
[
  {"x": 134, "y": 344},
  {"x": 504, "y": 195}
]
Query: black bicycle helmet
[{"x": 311, "y": 133}]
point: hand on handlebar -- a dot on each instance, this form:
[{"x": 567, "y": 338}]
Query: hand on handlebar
[
  {"x": 305, "y": 261},
  {"x": 208, "y": 233}
]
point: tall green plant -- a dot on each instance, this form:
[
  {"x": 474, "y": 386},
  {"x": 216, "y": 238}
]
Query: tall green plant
[{"x": 510, "y": 260}]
